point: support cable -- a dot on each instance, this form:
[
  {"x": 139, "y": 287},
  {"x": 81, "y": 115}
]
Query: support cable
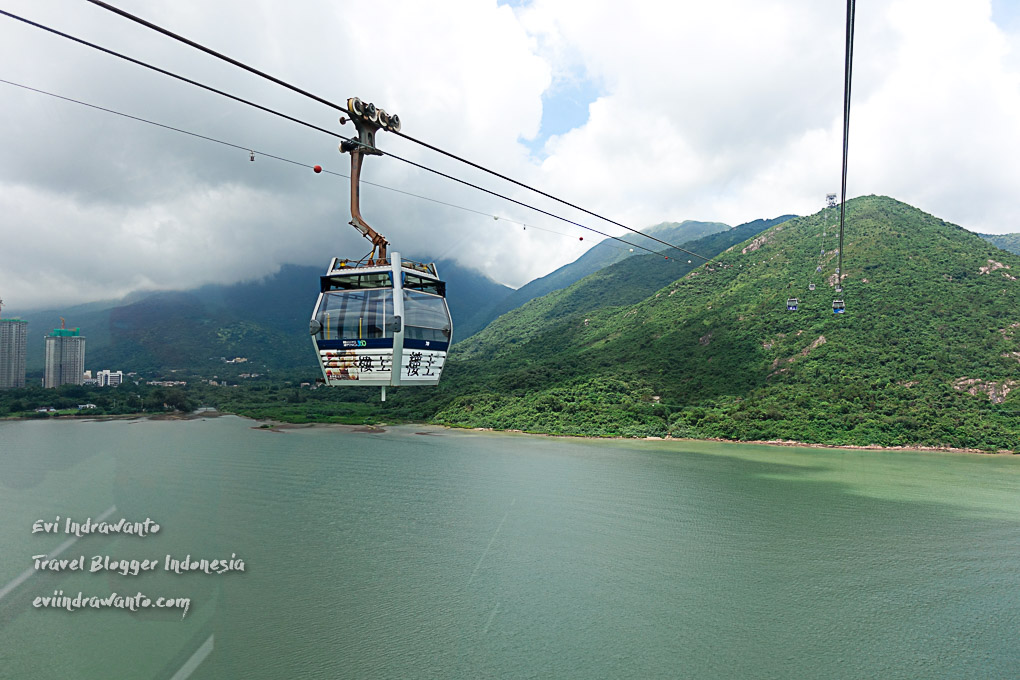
[
  {"x": 298, "y": 163},
  {"x": 848, "y": 72},
  {"x": 169, "y": 73},
  {"x": 339, "y": 107},
  {"x": 337, "y": 135}
]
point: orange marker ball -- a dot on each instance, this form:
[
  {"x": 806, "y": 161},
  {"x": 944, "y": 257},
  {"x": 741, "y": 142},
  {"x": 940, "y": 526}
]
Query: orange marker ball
[{"x": 317, "y": 168}]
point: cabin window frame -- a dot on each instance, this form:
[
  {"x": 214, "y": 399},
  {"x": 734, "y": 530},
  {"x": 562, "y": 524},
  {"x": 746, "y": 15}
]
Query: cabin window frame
[
  {"x": 372, "y": 307},
  {"x": 415, "y": 303}
]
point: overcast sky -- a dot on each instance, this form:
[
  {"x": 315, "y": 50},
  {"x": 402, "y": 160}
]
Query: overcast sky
[{"x": 644, "y": 112}]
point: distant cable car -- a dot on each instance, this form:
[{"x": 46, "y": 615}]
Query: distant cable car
[
  {"x": 378, "y": 321},
  {"x": 791, "y": 305},
  {"x": 838, "y": 307},
  {"x": 811, "y": 286}
]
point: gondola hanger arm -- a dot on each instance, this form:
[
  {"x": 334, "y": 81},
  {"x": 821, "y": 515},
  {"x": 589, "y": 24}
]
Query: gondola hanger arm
[{"x": 367, "y": 119}]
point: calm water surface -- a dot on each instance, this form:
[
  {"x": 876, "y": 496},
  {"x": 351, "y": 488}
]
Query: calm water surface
[{"x": 426, "y": 553}]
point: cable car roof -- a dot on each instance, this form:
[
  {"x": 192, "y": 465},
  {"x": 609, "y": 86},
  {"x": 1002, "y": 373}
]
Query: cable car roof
[{"x": 341, "y": 267}]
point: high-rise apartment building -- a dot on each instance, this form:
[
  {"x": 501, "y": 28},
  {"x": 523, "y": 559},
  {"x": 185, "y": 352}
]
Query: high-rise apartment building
[
  {"x": 65, "y": 358},
  {"x": 13, "y": 341}
]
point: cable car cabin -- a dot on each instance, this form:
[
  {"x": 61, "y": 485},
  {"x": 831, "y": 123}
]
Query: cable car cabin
[
  {"x": 838, "y": 307},
  {"x": 381, "y": 324},
  {"x": 791, "y": 305},
  {"x": 811, "y": 286}
]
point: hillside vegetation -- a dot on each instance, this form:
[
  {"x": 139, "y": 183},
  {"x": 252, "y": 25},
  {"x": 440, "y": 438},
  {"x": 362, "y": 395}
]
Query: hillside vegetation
[
  {"x": 622, "y": 284},
  {"x": 1010, "y": 242},
  {"x": 927, "y": 353},
  {"x": 605, "y": 253}
]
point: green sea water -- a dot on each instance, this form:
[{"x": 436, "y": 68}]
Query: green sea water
[{"x": 429, "y": 553}]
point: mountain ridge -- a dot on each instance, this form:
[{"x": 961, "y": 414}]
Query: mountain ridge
[
  {"x": 265, "y": 320},
  {"x": 625, "y": 282},
  {"x": 607, "y": 252},
  {"x": 926, "y": 353}
]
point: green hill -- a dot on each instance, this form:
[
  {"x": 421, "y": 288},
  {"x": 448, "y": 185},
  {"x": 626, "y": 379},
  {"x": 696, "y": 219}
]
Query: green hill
[
  {"x": 622, "y": 284},
  {"x": 927, "y": 353},
  {"x": 265, "y": 321},
  {"x": 1010, "y": 242},
  {"x": 607, "y": 252}
]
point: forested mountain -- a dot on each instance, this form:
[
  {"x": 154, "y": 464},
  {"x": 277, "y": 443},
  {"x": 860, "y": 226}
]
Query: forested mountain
[
  {"x": 607, "y": 252},
  {"x": 622, "y": 284},
  {"x": 1010, "y": 242},
  {"x": 265, "y": 321},
  {"x": 927, "y": 351}
]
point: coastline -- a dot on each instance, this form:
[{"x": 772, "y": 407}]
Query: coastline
[
  {"x": 868, "y": 447},
  {"x": 281, "y": 427}
]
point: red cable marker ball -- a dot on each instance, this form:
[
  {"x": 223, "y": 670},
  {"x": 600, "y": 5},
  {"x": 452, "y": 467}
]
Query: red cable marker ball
[
  {"x": 317, "y": 168},
  {"x": 580, "y": 238}
]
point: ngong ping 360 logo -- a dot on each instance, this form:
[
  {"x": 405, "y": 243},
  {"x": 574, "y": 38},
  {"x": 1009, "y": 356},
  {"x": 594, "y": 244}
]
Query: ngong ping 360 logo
[{"x": 355, "y": 343}]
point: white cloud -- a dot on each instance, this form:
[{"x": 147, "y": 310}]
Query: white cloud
[
  {"x": 941, "y": 129},
  {"x": 724, "y": 111}
]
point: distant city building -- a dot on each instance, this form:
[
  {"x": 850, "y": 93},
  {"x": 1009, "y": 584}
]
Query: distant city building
[
  {"x": 13, "y": 341},
  {"x": 65, "y": 358},
  {"x": 108, "y": 378}
]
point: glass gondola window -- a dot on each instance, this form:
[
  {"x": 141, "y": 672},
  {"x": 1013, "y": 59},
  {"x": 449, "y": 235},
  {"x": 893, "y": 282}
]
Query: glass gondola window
[
  {"x": 425, "y": 317},
  {"x": 412, "y": 282},
  {"x": 356, "y": 314},
  {"x": 357, "y": 281}
]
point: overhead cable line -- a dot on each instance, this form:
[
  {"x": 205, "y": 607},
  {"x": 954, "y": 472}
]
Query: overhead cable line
[
  {"x": 152, "y": 122},
  {"x": 168, "y": 73},
  {"x": 339, "y": 107},
  {"x": 330, "y": 132},
  {"x": 847, "y": 79},
  {"x": 280, "y": 158},
  {"x": 322, "y": 129}
]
